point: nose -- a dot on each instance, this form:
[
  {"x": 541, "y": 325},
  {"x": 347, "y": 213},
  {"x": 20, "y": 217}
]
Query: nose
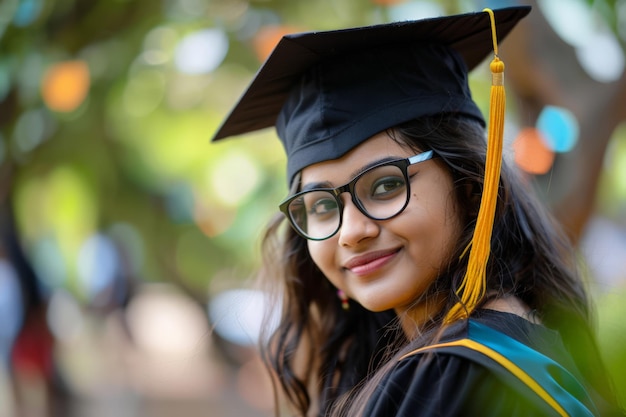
[{"x": 355, "y": 226}]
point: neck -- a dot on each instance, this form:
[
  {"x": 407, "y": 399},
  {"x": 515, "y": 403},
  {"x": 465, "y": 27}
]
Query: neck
[
  {"x": 512, "y": 304},
  {"x": 414, "y": 317}
]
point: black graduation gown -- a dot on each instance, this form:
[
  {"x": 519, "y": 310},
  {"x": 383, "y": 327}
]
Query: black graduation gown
[{"x": 447, "y": 383}]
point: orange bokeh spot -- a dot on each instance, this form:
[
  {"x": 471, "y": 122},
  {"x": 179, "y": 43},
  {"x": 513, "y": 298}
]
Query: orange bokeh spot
[
  {"x": 267, "y": 38},
  {"x": 65, "y": 85},
  {"x": 212, "y": 220},
  {"x": 531, "y": 153}
]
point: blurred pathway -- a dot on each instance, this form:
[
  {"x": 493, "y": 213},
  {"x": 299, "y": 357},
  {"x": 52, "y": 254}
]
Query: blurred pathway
[{"x": 114, "y": 370}]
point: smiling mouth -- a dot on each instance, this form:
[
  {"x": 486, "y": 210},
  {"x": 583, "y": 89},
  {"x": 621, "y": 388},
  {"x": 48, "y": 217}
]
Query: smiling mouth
[{"x": 370, "y": 263}]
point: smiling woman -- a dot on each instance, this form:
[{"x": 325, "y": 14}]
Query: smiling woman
[
  {"x": 420, "y": 276},
  {"x": 388, "y": 261}
]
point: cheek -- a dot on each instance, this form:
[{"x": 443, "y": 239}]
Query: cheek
[
  {"x": 452, "y": 226},
  {"x": 440, "y": 226},
  {"x": 322, "y": 254}
]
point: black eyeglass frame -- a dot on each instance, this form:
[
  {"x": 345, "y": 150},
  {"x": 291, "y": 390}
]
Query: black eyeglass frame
[{"x": 403, "y": 164}]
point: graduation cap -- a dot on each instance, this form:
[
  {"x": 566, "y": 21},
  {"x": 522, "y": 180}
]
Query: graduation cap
[
  {"x": 339, "y": 59},
  {"x": 327, "y": 92}
]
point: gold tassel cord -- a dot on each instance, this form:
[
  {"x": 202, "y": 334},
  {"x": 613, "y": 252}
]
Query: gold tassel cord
[{"x": 473, "y": 285}]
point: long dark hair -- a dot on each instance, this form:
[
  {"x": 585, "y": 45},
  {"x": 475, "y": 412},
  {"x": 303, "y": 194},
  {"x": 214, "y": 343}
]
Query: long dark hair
[{"x": 320, "y": 352}]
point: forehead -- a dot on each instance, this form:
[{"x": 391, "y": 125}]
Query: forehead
[{"x": 339, "y": 171}]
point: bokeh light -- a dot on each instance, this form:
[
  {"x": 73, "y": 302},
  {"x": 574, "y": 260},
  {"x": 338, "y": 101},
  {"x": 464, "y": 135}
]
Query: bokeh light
[
  {"x": 48, "y": 262},
  {"x": 11, "y": 309},
  {"x": 387, "y": 2},
  {"x": 179, "y": 201},
  {"x": 559, "y": 128},
  {"x": 404, "y": 10},
  {"x": 64, "y": 316},
  {"x": 164, "y": 322},
  {"x": 132, "y": 246},
  {"x": 27, "y": 12},
  {"x": 65, "y": 85},
  {"x": 602, "y": 57},
  {"x": 233, "y": 178},
  {"x": 30, "y": 130},
  {"x": 597, "y": 48},
  {"x": 531, "y": 153},
  {"x": 98, "y": 268},
  {"x": 238, "y": 315},
  {"x": 144, "y": 92},
  {"x": 211, "y": 218},
  {"x": 268, "y": 37},
  {"x": 160, "y": 44},
  {"x": 201, "y": 52}
]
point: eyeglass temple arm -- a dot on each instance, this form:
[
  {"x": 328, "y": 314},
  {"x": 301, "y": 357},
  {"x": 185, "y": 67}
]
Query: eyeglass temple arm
[{"x": 421, "y": 157}]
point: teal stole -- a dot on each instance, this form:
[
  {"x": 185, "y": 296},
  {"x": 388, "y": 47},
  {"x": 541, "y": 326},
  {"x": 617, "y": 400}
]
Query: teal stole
[{"x": 533, "y": 374}]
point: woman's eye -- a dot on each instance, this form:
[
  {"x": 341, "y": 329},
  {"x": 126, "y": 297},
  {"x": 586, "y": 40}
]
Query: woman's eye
[
  {"x": 387, "y": 187},
  {"x": 322, "y": 206}
]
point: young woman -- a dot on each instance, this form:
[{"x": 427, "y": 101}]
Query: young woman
[{"x": 383, "y": 312}]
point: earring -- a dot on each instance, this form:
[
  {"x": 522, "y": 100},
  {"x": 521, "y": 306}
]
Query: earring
[{"x": 344, "y": 300}]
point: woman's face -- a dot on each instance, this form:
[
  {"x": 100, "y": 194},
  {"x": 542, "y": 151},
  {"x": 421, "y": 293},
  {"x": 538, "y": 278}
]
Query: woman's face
[{"x": 388, "y": 264}]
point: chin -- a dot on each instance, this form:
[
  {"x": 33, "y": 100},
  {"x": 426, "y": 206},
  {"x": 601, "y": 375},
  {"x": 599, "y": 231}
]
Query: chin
[{"x": 376, "y": 306}]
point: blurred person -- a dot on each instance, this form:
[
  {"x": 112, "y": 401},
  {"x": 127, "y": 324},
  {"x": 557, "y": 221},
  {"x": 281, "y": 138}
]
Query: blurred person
[
  {"x": 32, "y": 368},
  {"x": 420, "y": 276}
]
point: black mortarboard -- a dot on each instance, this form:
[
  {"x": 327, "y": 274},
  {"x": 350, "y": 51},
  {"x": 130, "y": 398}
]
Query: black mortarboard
[{"x": 326, "y": 92}]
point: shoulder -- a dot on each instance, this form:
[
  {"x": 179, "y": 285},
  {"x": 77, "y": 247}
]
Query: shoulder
[
  {"x": 459, "y": 379},
  {"x": 443, "y": 384}
]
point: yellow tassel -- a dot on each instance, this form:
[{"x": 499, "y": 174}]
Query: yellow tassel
[{"x": 473, "y": 286}]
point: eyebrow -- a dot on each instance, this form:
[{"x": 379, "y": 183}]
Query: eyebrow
[{"x": 353, "y": 174}]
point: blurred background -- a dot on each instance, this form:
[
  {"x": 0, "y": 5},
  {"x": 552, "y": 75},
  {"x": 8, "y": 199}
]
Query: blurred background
[{"x": 128, "y": 242}]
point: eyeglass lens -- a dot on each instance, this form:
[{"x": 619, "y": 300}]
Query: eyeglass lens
[{"x": 379, "y": 193}]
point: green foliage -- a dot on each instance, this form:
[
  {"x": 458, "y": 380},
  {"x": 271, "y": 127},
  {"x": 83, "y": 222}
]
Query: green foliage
[
  {"x": 612, "y": 12},
  {"x": 612, "y": 336},
  {"x": 136, "y": 152}
]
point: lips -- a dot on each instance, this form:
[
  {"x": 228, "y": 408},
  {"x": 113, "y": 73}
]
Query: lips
[{"x": 370, "y": 262}]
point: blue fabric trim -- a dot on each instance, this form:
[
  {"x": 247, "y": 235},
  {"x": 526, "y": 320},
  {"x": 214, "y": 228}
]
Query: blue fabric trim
[{"x": 555, "y": 379}]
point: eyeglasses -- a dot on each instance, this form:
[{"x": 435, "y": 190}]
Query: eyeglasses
[{"x": 380, "y": 193}]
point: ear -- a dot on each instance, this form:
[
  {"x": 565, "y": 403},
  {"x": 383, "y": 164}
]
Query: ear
[{"x": 470, "y": 194}]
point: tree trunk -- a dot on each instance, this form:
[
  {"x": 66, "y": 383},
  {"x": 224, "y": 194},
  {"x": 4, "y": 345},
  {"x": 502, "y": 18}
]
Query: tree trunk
[{"x": 543, "y": 70}]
